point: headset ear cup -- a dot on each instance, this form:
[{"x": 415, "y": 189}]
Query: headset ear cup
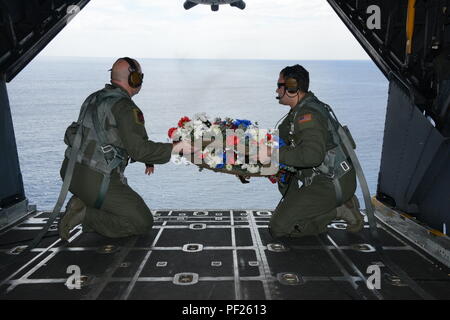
[
  {"x": 291, "y": 85},
  {"x": 134, "y": 79}
]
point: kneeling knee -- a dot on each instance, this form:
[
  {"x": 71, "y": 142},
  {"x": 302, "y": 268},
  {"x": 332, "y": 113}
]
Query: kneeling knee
[
  {"x": 277, "y": 231},
  {"x": 147, "y": 223}
]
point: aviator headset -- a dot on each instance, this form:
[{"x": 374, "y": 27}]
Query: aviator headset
[
  {"x": 291, "y": 86},
  {"x": 135, "y": 78}
]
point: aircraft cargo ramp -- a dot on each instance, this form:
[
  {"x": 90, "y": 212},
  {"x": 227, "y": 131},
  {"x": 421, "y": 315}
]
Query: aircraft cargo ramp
[{"x": 216, "y": 255}]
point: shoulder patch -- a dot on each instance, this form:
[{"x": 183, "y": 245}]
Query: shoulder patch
[
  {"x": 138, "y": 116},
  {"x": 305, "y": 118}
]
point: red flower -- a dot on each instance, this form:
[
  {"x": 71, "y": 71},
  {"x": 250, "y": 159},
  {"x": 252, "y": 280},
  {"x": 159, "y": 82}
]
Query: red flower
[
  {"x": 273, "y": 179},
  {"x": 269, "y": 137},
  {"x": 232, "y": 140},
  {"x": 171, "y": 132},
  {"x": 183, "y": 121}
]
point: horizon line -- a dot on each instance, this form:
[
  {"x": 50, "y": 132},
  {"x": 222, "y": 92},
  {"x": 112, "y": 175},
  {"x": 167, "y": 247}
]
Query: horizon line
[{"x": 230, "y": 59}]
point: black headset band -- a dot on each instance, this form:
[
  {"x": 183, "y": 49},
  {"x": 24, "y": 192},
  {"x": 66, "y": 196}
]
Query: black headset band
[{"x": 131, "y": 63}]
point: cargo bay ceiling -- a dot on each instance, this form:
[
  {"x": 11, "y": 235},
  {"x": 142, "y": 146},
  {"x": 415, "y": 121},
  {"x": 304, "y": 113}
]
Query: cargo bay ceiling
[{"x": 407, "y": 39}]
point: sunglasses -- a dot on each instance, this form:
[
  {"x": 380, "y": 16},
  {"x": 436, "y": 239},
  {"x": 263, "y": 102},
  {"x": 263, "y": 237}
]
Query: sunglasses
[{"x": 280, "y": 84}]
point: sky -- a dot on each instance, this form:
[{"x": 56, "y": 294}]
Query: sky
[{"x": 266, "y": 29}]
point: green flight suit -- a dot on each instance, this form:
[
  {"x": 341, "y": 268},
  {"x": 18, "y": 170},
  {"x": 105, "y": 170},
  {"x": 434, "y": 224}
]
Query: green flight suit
[
  {"x": 123, "y": 212},
  {"x": 308, "y": 209}
]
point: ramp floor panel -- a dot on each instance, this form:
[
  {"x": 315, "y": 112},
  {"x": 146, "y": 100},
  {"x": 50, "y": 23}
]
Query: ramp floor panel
[{"x": 208, "y": 255}]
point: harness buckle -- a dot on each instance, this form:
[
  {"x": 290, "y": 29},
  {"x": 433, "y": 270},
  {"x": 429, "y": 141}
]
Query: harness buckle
[
  {"x": 107, "y": 149},
  {"x": 344, "y": 165},
  {"x": 110, "y": 148}
]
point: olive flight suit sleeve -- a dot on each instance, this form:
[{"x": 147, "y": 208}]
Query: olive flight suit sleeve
[
  {"x": 310, "y": 134},
  {"x": 131, "y": 126}
]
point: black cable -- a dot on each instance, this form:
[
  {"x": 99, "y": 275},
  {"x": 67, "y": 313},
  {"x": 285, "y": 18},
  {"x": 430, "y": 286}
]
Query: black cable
[{"x": 282, "y": 118}]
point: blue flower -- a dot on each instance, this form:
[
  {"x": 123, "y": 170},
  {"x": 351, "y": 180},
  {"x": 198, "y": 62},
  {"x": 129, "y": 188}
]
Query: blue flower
[
  {"x": 220, "y": 166},
  {"x": 239, "y": 122}
]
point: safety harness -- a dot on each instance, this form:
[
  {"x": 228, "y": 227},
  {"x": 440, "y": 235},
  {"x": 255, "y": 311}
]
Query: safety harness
[
  {"x": 336, "y": 162},
  {"x": 108, "y": 155}
]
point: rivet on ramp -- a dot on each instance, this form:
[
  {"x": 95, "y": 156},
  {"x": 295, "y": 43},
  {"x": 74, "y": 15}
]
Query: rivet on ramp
[
  {"x": 277, "y": 247},
  {"x": 394, "y": 280},
  {"x": 192, "y": 247},
  {"x": 216, "y": 263},
  {"x": 85, "y": 280},
  {"x": 200, "y": 213},
  {"x": 339, "y": 226},
  {"x": 363, "y": 247},
  {"x": 197, "y": 226},
  {"x": 185, "y": 279},
  {"x": 161, "y": 264},
  {"x": 290, "y": 279},
  {"x": 108, "y": 249},
  {"x": 17, "y": 250}
]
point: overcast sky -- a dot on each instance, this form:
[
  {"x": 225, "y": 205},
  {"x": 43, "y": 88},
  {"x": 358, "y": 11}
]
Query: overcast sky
[{"x": 266, "y": 29}]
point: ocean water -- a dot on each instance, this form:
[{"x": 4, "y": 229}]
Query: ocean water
[{"x": 46, "y": 97}]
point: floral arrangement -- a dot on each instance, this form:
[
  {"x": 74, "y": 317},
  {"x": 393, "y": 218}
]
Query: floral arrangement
[{"x": 228, "y": 145}]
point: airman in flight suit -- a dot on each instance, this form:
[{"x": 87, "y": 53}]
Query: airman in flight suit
[{"x": 113, "y": 133}]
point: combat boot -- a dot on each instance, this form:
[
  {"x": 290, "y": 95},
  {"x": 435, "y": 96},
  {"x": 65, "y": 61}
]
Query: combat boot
[
  {"x": 350, "y": 213},
  {"x": 73, "y": 216}
]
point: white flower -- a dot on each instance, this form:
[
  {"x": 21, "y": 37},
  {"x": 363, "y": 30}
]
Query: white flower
[
  {"x": 197, "y": 123},
  {"x": 213, "y": 161},
  {"x": 229, "y": 167},
  {"x": 201, "y": 116},
  {"x": 215, "y": 129},
  {"x": 176, "y": 160},
  {"x": 199, "y": 131},
  {"x": 188, "y": 125},
  {"x": 252, "y": 168}
]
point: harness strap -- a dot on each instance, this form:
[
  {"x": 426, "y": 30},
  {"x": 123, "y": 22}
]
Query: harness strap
[
  {"x": 338, "y": 191},
  {"x": 62, "y": 194},
  {"x": 106, "y": 148}
]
